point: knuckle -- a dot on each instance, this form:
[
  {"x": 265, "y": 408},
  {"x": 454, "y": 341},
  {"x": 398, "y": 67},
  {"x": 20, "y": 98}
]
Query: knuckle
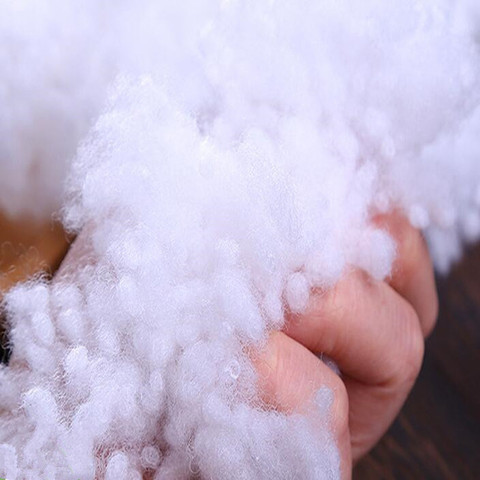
[
  {"x": 348, "y": 296},
  {"x": 334, "y": 304},
  {"x": 340, "y": 408},
  {"x": 411, "y": 348}
]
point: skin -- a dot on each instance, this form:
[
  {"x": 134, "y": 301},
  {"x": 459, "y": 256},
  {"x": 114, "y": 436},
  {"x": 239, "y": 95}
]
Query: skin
[{"x": 373, "y": 330}]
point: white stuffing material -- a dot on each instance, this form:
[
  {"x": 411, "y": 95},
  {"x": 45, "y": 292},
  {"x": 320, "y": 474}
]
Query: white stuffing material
[{"x": 235, "y": 163}]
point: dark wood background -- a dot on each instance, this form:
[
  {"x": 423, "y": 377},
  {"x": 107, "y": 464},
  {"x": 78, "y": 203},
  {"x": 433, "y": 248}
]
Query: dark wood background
[{"x": 437, "y": 435}]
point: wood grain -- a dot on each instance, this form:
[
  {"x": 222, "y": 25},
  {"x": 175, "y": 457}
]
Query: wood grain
[{"x": 27, "y": 249}]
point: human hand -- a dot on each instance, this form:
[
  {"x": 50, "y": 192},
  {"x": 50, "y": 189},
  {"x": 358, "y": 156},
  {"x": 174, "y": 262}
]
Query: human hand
[{"x": 373, "y": 330}]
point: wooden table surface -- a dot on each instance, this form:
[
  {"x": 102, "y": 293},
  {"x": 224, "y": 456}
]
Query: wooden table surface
[
  {"x": 437, "y": 435},
  {"x": 27, "y": 248}
]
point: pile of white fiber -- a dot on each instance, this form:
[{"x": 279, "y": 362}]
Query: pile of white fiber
[{"x": 224, "y": 157}]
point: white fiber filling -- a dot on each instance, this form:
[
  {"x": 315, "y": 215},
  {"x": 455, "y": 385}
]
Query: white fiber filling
[{"x": 223, "y": 158}]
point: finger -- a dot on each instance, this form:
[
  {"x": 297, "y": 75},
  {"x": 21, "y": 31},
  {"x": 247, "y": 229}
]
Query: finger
[
  {"x": 374, "y": 336},
  {"x": 290, "y": 377},
  {"x": 412, "y": 273},
  {"x": 365, "y": 326}
]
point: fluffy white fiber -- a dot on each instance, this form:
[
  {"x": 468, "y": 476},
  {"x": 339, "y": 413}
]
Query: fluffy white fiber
[{"x": 234, "y": 164}]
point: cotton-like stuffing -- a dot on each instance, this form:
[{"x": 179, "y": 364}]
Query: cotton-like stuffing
[{"x": 222, "y": 158}]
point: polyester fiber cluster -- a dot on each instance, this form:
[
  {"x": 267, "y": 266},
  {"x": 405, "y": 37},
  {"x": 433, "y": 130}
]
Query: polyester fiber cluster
[{"x": 218, "y": 159}]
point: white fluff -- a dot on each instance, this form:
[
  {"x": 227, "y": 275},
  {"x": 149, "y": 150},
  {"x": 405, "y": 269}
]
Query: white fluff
[{"x": 234, "y": 165}]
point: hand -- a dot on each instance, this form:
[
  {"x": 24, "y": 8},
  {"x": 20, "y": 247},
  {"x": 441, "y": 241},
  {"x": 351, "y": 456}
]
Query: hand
[{"x": 373, "y": 330}]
